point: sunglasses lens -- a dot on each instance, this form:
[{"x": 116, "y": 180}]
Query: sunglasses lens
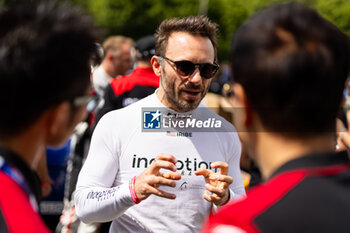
[
  {"x": 208, "y": 70},
  {"x": 185, "y": 68}
]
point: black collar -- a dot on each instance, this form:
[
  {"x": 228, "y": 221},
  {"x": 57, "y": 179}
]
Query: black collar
[{"x": 314, "y": 160}]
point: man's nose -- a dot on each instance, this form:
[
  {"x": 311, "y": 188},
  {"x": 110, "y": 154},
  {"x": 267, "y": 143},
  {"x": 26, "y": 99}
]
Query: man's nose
[{"x": 196, "y": 77}]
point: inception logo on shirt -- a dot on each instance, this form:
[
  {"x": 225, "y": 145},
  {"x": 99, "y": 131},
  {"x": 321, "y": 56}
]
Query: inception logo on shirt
[{"x": 165, "y": 120}]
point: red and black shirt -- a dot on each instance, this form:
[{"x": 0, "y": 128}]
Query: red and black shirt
[
  {"x": 308, "y": 194},
  {"x": 19, "y": 196}
]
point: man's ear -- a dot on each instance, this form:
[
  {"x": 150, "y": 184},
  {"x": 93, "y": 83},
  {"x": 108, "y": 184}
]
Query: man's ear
[
  {"x": 109, "y": 56},
  {"x": 157, "y": 69},
  {"x": 243, "y": 104},
  {"x": 57, "y": 123}
]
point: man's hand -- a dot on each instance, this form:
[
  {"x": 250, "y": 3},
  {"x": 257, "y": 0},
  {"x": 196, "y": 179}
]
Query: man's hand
[
  {"x": 149, "y": 181},
  {"x": 216, "y": 183}
]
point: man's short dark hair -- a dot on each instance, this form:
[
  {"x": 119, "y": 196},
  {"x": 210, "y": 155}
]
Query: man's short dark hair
[
  {"x": 46, "y": 50},
  {"x": 195, "y": 25},
  {"x": 293, "y": 65}
]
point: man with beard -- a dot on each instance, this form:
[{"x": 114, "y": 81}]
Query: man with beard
[{"x": 144, "y": 168}]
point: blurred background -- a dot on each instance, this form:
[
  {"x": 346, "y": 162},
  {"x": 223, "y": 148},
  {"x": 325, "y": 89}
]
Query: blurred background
[{"x": 136, "y": 18}]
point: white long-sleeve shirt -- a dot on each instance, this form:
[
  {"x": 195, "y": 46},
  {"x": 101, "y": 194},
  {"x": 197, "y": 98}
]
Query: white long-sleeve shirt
[{"x": 120, "y": 150}]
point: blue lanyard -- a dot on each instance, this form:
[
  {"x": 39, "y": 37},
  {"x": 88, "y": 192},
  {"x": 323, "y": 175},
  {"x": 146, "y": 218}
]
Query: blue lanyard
[{"x": 17, "y": 176}]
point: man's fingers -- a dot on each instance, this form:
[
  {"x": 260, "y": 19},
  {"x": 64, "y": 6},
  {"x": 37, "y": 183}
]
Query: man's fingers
[
  {"x": 161, "y": 193},
  {"x": 203, "y": 172},
  {"x": 211, "y": 198},
  {"x": 158, "y": 164},
  {"x": 207, "y": 196},
  {"x": 159, "y": 181},
  {"x": 222, "y": 165},
  {"x": 225, "y": 179},
  {"x": 216, "y": 192},
  {"x": 217, "y": 183},
  {"x": 149, "y": 186},
  {"x": 149, "y": 181},
  {"x": 170, "y": 175},
  {"x": 214, "y": 177},
  {"x": 214, "y": 195},
  {"x": 166, "y": 157}
]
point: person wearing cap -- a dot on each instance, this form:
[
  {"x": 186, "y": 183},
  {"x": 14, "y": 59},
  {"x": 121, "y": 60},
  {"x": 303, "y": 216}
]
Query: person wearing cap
[
  {"x": 153, "y": 181},
  {"x": 117, "y": 60},
  {"x": 142, "y": 82}
]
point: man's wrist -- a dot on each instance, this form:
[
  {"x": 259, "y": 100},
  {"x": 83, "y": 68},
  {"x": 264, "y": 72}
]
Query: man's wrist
[{"x": 132, "y": 191}]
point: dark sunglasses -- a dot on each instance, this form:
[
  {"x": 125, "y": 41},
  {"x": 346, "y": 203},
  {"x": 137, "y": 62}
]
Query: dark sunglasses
[{"x": 186, "y": 68}]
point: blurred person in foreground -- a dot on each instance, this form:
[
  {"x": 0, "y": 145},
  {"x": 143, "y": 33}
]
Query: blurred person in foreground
[
  {"x": 290, "y": 66},
  {"x": 46, "y": 51},
  {"x": 142, "y": 82},
  {"x": 152, "y": 181},
  {"x": 117, "y": 60}
]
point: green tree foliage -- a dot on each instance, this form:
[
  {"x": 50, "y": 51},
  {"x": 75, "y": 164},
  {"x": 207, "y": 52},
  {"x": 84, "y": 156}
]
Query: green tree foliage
[
  {"x": 336, "y": 11},
  {"x": 136, "y": 18}
]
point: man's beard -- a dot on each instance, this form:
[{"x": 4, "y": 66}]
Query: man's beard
[{"x": 173, "y": 97}]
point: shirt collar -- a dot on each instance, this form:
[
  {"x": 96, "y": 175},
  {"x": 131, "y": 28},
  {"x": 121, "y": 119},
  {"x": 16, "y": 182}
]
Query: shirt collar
[{"x": 313, "y": 160}]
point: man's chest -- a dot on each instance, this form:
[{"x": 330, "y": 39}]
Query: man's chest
[{"x": 192, "y": 151}]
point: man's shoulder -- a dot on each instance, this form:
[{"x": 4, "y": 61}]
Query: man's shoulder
[
  {"x": 243, "y": 212},
  {"x": 99, "y": 73},
  {"x": 10, "y": 184},
  {"x": 12, "y": 199},
  {"x": 11, "y": 192},
  {"x": 98, "y": 69}
]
